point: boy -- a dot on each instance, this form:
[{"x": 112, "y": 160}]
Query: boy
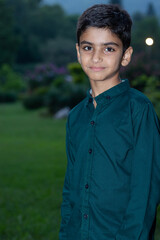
[{"x": 112, "y": 183}]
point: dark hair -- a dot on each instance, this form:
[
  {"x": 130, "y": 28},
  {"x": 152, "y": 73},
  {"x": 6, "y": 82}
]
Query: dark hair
[{"x": 107, "y": 16}]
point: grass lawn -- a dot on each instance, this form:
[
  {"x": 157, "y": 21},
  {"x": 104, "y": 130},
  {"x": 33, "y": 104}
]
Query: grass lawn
[{"x": 32, "y": 168}]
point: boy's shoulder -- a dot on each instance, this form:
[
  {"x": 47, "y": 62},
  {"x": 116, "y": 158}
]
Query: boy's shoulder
[
  {"x": 140, "y": 104},
  {"x": 138, "y": 99}
]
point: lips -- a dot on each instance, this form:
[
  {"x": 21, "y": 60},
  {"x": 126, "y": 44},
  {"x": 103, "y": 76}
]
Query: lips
[{"x": 97, "y": 69}]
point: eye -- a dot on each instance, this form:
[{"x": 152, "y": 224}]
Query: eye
[
  {"x": 109, "y": 49},
  {"x": 87, "y": 48}
]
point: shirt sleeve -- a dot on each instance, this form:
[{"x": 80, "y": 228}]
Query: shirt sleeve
[
  {"x": 145, "y": 177},
  {"x": 66, "y": 206}
]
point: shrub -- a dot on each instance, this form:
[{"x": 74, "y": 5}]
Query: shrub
[
  {"x": 58, "y": 92},
  {"x": 43, "y": 84},
  {"x": 79, "y": 77},
  {"x": 152, "y": 90},
  {"x": 59, "y": 81},
  {"x": 140, "y": 82},
  {"x": 33, "y": 102},
  {"x": 41, "y": 91},
  {"x": 140, "y": 65},
  {"x": 75, "y": 94},
  {"x": 150, "y": 86},
  {"x": 55, "y": 100},
  {"x": 10, "y": 80},
  {"x": 43, "y": 75},
  {"x": 7, "y": 97},
  {"x": 68, "y": 95}
]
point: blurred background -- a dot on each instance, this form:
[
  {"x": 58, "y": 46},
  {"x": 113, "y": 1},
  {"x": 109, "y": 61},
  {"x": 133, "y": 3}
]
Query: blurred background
[{"x": 40, "y": 81}]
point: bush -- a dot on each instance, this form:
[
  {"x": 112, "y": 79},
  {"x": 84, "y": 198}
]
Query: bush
[
  {"x": 50, "y": 87},
  {"x": 67, "y": 96},
  {"x": 141, "y": 65},
  {"x": 33, "y": 102},
  {"x": 43, "y": 75},
  {"x": 152, "y": 90},
  {"x": 59, "y": 81},
  {"x": 41, "y": 91},
  {"x": 140, "y": 82},
  {"x": 150, "y": 86},
  {"x": 78, "y": 76},
  {"x": 55, "y": 100},
  {"x": 7, "y": 97},
  {"x": 75, "y": 94},
  {"x": 10, "y": 80}
]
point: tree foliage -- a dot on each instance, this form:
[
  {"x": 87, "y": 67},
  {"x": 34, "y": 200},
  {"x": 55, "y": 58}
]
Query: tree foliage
[
  {"x": 26, "y": 26},
  {"x": 118, "y": 2},
  {"x": 7, "y": 37},
  {"x": 142, "y": 29},
  {"x": 151, "y": 10}
]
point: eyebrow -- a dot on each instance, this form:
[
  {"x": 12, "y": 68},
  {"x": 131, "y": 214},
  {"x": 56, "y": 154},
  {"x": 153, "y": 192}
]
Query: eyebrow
[{"x": 104, "y": 44}]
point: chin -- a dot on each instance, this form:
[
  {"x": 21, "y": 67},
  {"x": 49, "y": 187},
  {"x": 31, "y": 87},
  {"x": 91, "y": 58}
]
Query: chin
[{"x": 96, "y": 77}]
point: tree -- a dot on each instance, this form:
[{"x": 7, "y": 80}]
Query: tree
[
  {"x": 27, "y": 43},
  {"x": 142, "y": 29},
  {"x": 7, "y": 38},
  {"x": 145, "y": 59},
  {"x": 28, "y": 28},
  {"x": 151, "y": 10},
  {"x": 60, "y": 51},
  {"x": 47, "y": 21},
  {"x": 137, "y": 17},
  {"x": 118, "y": 2},
  {"x": 34, "y": 3}
]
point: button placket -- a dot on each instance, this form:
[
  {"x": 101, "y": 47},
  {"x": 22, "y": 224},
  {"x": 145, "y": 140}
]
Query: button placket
[
  {"x": 87, "y": 183},
  {"x": 90, "y": 150},
  {"x": 90, "y": 100},
  {"x": 86, "y": 186},
  {"x": 92, "y": 123},
  {"x": 85, "y": 216}
]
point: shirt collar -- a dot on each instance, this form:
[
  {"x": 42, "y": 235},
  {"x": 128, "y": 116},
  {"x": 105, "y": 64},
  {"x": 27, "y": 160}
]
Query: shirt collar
[{"x": 109, "y": 94}]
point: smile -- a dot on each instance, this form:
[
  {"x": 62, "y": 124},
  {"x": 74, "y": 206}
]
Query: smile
[{"x": 97, "y": 69}]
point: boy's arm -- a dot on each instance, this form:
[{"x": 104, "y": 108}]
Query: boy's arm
[
  {"x": 66, "y": 207},
  {"x": 145, "y": 179}
]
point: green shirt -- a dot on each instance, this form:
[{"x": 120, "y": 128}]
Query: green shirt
[{"x": 112, "y": 183}]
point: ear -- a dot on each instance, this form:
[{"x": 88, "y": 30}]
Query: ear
[
  {"x": 78, "y": 53},
  {"x": 127, "y": 57}
]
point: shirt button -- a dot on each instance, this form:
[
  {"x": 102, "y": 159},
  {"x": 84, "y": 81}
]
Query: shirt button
[
  {"x": 108, "y": 97},
  {"x": 90, "y": 100},
  {"x": 85, "y": 216},
  {"x": 92, "y": 122},
  {"x": 87, "y": 186},
  {"x": 90, "y": 151}
]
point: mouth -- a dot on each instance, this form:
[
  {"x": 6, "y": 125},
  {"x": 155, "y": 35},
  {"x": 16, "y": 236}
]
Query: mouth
[{"x": 96, "y": 69}]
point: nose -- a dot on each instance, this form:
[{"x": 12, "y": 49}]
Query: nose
[{"x": 96, "y": 57}]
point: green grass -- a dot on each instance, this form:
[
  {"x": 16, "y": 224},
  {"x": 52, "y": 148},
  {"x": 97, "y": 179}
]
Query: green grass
[{"x": 32, "y": 168}]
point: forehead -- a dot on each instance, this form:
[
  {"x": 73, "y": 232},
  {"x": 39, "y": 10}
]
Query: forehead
[{"x": 99, "y": 36}]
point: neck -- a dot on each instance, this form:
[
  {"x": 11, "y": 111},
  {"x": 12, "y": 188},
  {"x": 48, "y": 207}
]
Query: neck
[{"x": 99, "y": 87}]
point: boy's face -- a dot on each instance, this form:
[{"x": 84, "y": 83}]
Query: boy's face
[{"x": 100, "y": 54}]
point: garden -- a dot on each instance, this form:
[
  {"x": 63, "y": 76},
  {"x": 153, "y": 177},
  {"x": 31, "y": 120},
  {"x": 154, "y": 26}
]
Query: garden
[{"x": 39, "y": 78}]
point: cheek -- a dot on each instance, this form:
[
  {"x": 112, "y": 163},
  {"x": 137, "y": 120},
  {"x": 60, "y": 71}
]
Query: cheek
[
  {"x": 84, "y": 67},
  {"x": 115, "y": 62},
  {"x": 84, "y": 60}
]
